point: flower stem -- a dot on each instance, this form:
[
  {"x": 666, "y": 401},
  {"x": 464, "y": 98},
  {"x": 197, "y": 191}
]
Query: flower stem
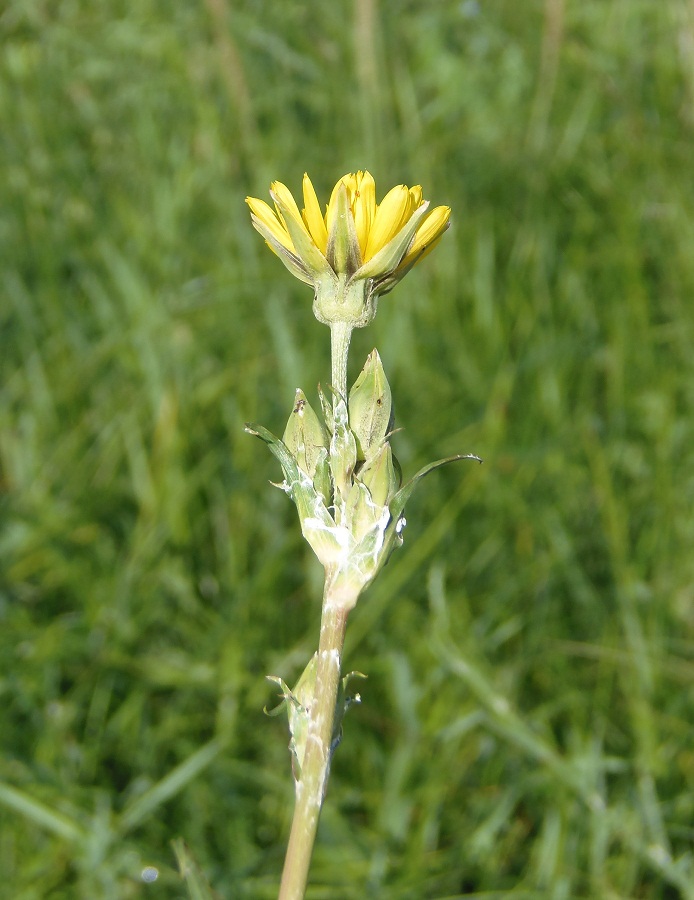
[
  {"x": 340, "y": 336},
  {"x": 310, "y": 789},
  {"x": 315, "y": 769}
]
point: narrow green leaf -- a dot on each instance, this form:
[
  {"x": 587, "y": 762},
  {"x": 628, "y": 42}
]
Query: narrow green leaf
[
  {"x": 40, "y": 814},
  {"x": 397, "y": 504},
  {"x": 169, "y": 786},
  {"x": 197, "y": 884},
  {"x": 317, "y": 525}
]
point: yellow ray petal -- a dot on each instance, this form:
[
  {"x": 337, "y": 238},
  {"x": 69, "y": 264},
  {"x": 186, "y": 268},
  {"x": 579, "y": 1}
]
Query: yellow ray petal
[
  {"x": 416, "y": 196},
  {"x": 431, "y": 229},
  {"x": 364, "y": 207},
  {"x": 270, "y": 220},
  {"x": 313, "y": 217},
  {"x": 391, "y": 214},
  {"x": 280, "y": 192}
]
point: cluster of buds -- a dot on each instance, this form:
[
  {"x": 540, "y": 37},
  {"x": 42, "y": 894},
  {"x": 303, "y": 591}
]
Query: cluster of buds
[{"x": 345, "y": 481}]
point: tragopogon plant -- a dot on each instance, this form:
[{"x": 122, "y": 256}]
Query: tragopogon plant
[{"x": 340, "y": 470}]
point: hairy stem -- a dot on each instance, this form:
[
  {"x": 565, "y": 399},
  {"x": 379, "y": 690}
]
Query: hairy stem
[
  {"x": 315, "y": 768},
  {"x": 310, "y": 789},
  {"x": 340, "y": 336}
]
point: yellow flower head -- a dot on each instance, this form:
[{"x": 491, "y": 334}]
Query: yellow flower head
[{"x": 358, "y": 249}]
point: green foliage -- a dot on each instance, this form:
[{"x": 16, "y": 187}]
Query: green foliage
[{"x": 526, "y": 729}]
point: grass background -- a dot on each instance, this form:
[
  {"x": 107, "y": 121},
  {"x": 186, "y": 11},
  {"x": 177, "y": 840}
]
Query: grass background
[{"x": 527, "y": 726}]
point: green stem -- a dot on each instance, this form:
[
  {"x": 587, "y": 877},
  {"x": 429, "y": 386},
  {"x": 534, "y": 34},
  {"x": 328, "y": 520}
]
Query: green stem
[
  {"x": 315, "y": 768},
  {"x": 340, "y": 336}
]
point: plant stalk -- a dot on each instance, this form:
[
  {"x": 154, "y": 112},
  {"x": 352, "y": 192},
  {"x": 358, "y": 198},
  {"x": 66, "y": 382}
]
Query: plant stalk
[
  {"x": 310, "y": 789},
  {"x": 315, "y": 769},
  {"x": 340, "y": 336}
]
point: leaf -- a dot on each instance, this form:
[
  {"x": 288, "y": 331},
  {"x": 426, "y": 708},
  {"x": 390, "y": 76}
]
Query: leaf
[
  {"x": 397, "y": 504},
  {"x": 286, "y": 692},
  {"x": 317, "y": 525},
  {"x": 171, "y": 784},
  {"x": 197, "y": 884},
  {"x": 344, "y": 701},
  {"x": 41, "y": 815},
  {"x": 278, "y": 449},
  {"x": 297, "y": 703}
]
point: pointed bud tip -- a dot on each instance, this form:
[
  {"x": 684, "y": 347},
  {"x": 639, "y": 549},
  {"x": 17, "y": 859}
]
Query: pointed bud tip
[{"x": 370, "y": 406}]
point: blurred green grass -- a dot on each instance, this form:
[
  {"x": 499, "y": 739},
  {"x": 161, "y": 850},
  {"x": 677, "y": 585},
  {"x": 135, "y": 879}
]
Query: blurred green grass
[{"x": 526, "y": 729}]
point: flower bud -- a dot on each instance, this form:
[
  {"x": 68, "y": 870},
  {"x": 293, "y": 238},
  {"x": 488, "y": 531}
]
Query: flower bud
[
  {"x": 370, "y": 407},
  {"x": 362, "y": 513},
  {"x": 321, "y": 479},
  {"x": 373, "y": 487},
  {"x": 305, "y": 435},
  {"x": 380, "y": 476}
]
